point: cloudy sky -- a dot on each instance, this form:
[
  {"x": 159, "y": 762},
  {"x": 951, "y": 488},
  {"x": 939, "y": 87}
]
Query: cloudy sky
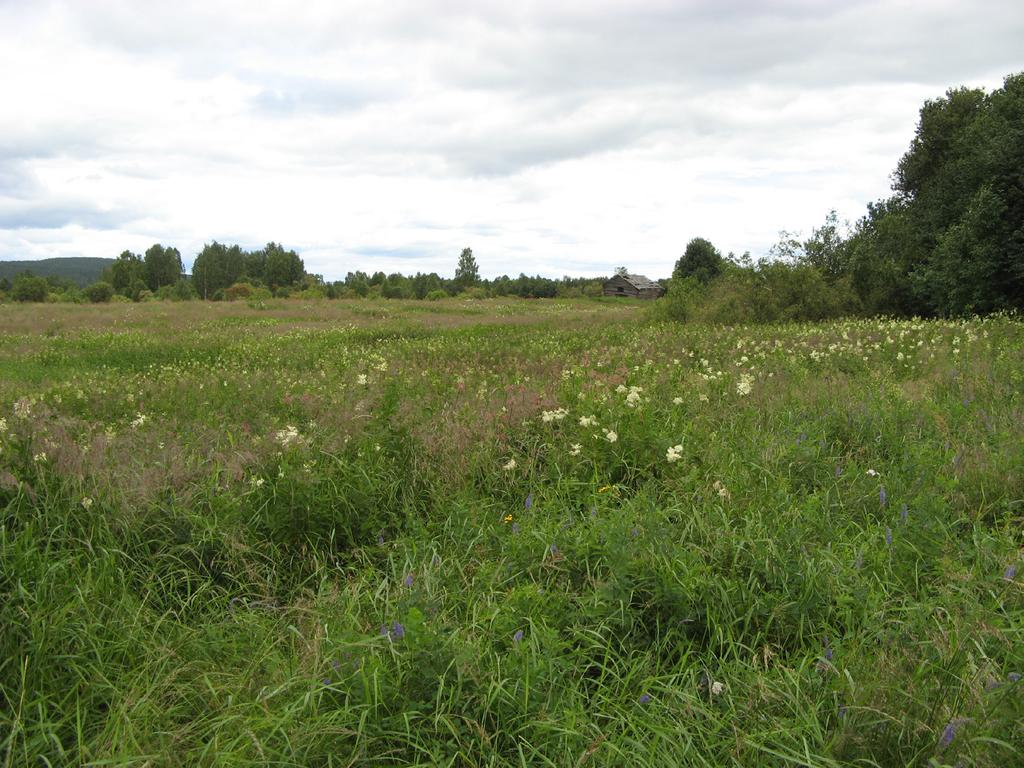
[{"x": 551, "y": 137}]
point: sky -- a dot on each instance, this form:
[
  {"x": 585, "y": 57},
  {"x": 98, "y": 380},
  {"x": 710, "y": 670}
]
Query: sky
[{"x": 550, "y": 137}]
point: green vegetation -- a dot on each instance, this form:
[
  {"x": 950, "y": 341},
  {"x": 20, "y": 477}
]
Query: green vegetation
[
  {"x": 79, "y": 271},
  {"x": 507, "y": 533}
]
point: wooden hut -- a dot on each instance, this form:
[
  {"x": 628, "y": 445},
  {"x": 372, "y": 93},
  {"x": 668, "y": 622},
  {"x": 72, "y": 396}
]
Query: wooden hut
[{"x": 634, "y": 286}]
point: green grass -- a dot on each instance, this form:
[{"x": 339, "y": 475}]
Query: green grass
[{"x": 820, "y": 579}]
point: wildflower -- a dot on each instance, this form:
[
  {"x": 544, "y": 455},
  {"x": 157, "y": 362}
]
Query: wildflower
[
  {"x": 882, "y": 497},
  {"x": 40, "y": 457},
  {"x": 872, "y": 473},
  {"x": 256, "y": 482},
  {"x": 509, "y": 465},
  {"x": 3, "y": 426},
  {"x": 949, "y": 732},
  {"x": 515, "y": 527},
  {"x": 588, "y": 421},
  {"x": 287, "y": 436},
  {"x": 888, "y": 536},
  {"x": 362, "y": 379},
  {"x": 1013, "y": 677},
  {"x": 633, "y": 398},
  {"x": 518, "y": 636},
  {"x": 839, "y": 470},
  {"x": 408, "y": 580},
  {"x": 87, "y": 502},
  {"x": 828, "y": 650},
  {"x": 556, "y": 415},
  {"x": 575, "y": 450},
  {"x": 554, "y": 549},
  {"x": 745, "y": 384},
  {"x": 23, "y": 408},
  {"x": 674, "y": 454},
  {"x": 397, "y": 630},
  {"x": 677, "y": 401},
  {"x": 723, "y": 492},
  {"x": 529, "y": 501},
  {"x": 139, "y": 420},
  {"x": 610, "y": 436},
  {"x": 507, "y": 519},
  {"x": 702, "y": 397},
  {"x": 621, "y": 388},
  {"x": 1011, "y": 572},
  {"x": 717, "y": 688},
  {"x": 904, "y": 512},
  {"x": 644, "y": 698}
]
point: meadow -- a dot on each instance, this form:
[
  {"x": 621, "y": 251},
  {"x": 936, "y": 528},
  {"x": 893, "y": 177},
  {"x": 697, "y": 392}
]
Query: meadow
[{"x": 507, "y": 533}]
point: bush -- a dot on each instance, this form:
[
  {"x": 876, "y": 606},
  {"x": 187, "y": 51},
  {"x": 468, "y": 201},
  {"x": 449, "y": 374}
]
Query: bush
[
  {"x": 28, "y": 288},
  {"x": 238, "y": 291},
  {"x": 99, "y": 292},
  {"x": 436, "y": 295}
]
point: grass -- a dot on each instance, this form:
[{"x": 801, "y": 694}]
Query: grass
[{"x": 357, "y": 533}]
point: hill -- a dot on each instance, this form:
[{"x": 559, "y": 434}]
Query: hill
[{"x": 82, "y": 270}]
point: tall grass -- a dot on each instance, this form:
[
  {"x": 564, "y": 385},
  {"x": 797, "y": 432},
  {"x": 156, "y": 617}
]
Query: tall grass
[{"x": 302, "y": 543}]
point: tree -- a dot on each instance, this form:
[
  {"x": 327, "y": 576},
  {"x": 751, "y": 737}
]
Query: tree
[
  {"x": 161, "y": 266},
  {"x": 282, "y": 268},
  {"x": 215, "y": 268},
  {"x": 621, "y": 271},
  {"x": 127, "y": 269},
  {"x": 467, "y": 273},
  {"x": 701, "y": 261}
]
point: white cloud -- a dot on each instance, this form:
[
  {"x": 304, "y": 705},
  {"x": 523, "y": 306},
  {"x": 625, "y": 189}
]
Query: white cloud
[{"x": 551, "y": 137}]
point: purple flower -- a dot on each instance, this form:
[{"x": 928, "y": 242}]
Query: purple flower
[
  {"x": 635, "y": 532},
  {"x": 645, "y": 698},
  {"x": 904, "y": 512},
  {"x": 882, "y": 497},
  {"x": 515, "y": 527},
  {"x": 518, "y": 636},
  {"x": 326, "y": 681},
  {"x": 336, "y": 665},
  {"x": 408, "y": 580},
  {"x": 947, "y": 734},
  {"x": 839, "y": 470},
  {"x": 1011, "y": 572},
  {"x": 1013, "y": 677},
  {"x": 554, "y": 549},
  {"x": 593, "y": 511},
  {"x": 888, "y": 536},
  {"x": 397, "y": 630},
  {"x": 841, "y": 711},
  {"x": 828, "y": 650},
  {"x": 529, "y": 501},
  {"x": 384, "y": 630},
  {"x": 436, "y": 559}
]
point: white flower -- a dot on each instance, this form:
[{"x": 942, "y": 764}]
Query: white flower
[
  {"x": 588, "y": 421},
  {"x": 702, "y": 397},
  {"x": 745, "y": 384},
  {"x": 633, "y": 398},
  {"x": 717, "y": 688},
  {"x": 23, "y": 408},
  {"x": 287, "y": 436},
  {"x": 621, "y": 388},
  {"x": 256, "y": 482},
  {"x": 86, "y": 502},
  {"x": 40, "y": 457},
  {"x": 556, "y": 415},
  {"x": 576, "y": 448},
  {"x": 139, "y": 420},
  {"x": 677, "y": 401},
  {"x": 674, "y": 454},
  {"x": 361, "y": 379},
  {"x": 872, "y": 473},
  {"x": 723, "y": 492},
  {"x": 509, "y": 465},
  {"x": 610, "y": 436}
]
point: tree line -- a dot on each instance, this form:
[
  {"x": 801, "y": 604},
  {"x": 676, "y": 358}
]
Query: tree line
[
  {"x": 948, "y": 241},
  {"x": 228, "y": 273}
]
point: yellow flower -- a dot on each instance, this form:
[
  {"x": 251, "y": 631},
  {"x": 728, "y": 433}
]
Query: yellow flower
[{"x": 508, "y": 518}]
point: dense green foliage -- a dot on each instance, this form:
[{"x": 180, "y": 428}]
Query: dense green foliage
[
  {"x": 507, "y": 534},
  {"x": 700, "y": 261},
  {"x": 80, "y": 271}
]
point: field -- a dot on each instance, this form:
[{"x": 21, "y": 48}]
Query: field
[{"x": 507, "y": 534}]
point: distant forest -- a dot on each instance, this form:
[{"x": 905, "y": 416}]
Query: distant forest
[
  {"x": 948, "y": 241},
  {"x": 79, "y": 270}
]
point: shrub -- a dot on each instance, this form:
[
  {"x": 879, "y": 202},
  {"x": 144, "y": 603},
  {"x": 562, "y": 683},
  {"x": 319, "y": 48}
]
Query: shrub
[
  {"x": 29, "y": 288},
  {"x": 436, "y": 295},
  {"x": 238, "y": 291},
  {"x": 100, "y": 292}
]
